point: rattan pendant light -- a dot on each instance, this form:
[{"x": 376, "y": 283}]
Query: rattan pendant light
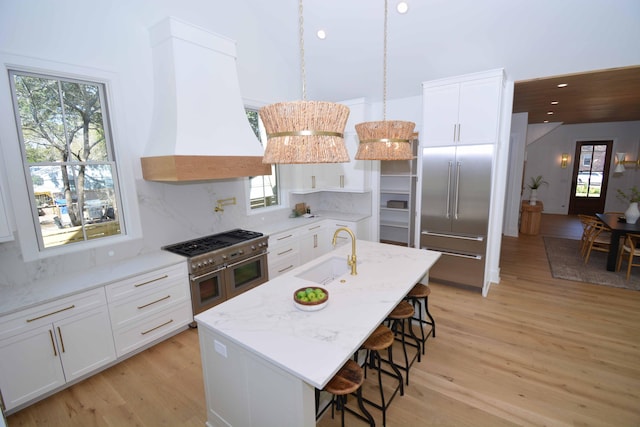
[
  {"x": 386, "y": 139},
  {"x": 305, "y": 131}
]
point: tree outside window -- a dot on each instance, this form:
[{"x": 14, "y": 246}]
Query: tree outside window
[
  {"x": 263, "y": 191},
  {"x": 68, "y": 158}
]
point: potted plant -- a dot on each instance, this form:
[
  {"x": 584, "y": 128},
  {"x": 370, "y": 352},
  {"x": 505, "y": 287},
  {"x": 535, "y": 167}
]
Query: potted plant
[
  {"x": 632, "y": 213},
  {"x": 533, "y": 185}
]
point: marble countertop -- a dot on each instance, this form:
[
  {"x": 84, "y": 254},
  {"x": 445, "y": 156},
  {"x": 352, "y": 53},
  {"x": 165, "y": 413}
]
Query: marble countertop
[
  {"x": 51, "y": 288},
  {"x": 290, "y": 223},
  {"x": 314, "y": 345}
]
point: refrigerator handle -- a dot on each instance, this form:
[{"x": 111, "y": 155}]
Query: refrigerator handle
[
  {"x": 448, "y": 215},
  {"x": 457, "y": 195}
]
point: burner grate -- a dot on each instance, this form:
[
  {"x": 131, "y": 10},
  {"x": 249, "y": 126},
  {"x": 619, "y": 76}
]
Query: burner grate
[{"x": 197, "y": 246}]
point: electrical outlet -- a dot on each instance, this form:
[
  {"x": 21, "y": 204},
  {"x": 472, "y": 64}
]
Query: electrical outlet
[{"x": 220, "y": 348}]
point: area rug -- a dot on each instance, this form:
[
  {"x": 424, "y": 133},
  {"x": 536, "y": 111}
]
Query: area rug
[{"x": 566, "y": 263}]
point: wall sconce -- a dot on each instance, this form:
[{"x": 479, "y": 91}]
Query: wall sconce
[
  {"x": 564, "y": 160},
  {"x": 620, "y": 167}
]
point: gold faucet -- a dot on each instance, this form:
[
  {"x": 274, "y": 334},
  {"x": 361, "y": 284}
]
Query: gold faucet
[{"x": 351, "y": 259}]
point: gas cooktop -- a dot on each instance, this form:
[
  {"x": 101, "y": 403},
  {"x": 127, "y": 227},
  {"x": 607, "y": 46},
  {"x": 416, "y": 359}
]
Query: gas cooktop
[{"x": 214, "y": 242}]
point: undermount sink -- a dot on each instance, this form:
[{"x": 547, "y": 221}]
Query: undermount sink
[{"x": 327, "y": 271}]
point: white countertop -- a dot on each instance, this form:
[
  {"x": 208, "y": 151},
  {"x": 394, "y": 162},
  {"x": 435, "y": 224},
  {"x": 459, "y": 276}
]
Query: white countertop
[
  {"x": 314, "y": 345},
  {"x": 290, "y": 223},
  {"x": 51, "y": 288}
]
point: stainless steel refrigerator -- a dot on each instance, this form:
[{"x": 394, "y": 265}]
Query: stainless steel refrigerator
[{"x": 454, "y": 214}]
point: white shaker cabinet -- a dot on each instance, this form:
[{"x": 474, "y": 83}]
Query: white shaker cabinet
[
  {"x": 314, "y": 241},
  {"x": 284, "y": 252},
  {"x": 45, "y": 347},
  {"x": 148, "y": 306},
  {"x": 463, "y": 110}
]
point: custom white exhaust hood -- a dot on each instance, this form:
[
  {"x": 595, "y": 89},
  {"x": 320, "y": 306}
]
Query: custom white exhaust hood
[{"x": 199, "y": 128}]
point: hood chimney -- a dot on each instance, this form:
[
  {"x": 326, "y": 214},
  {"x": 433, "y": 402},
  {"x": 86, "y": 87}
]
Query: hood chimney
[{"x": 199, "y": 128}]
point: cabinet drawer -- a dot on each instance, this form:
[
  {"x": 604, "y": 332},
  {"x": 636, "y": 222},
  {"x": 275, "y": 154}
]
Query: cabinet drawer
[
  {"x": 147, "y": 282},
  {"x": 131, "y": 310},
  {"x": 283, "y": 238},
  {"x": 136, "y": 335},
  {"x": 283, "y": 251},
  {"x": 48, "y": 313},
  {"x": 283, "y": 265}
]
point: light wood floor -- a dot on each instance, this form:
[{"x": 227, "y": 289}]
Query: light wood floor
[{"x": 536, "y": 351}]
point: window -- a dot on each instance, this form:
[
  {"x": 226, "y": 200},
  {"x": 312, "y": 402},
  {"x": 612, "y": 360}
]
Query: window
[
  {"x": 263, "y": 190},
  {"x": 64, "y": 131}
]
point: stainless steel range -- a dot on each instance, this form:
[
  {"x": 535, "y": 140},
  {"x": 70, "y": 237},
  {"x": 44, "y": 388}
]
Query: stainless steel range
[{"x": 223, "y": 265}]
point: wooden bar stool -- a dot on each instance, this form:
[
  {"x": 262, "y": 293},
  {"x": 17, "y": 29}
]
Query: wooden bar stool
[
  {"x": 380, "y": 339},
  {"x": 347, "y": 380},
  {"x": 400, "y": 322},
  {"x": 419, "y": 297}
]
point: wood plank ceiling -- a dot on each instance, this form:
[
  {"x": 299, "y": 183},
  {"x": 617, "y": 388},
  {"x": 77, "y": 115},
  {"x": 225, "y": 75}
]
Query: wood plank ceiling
[{"x": 611, "y": 95}]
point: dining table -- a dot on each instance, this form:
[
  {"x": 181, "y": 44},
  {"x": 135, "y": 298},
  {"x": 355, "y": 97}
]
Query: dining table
[{"x": 619, "y": 227}]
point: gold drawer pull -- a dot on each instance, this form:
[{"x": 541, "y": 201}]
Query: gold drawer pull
[
  {"x": 52, "y": 313},
  {"x": 153, "y": 302},
  {"x": 61, "y": 342},
  {"x": 286, "y": 268},
  {"x": 151, "y": 281},
  {"x": 53, "y": 343},
  {"x": 282, "y": 253},
  {"x": 157, "y": 327}
]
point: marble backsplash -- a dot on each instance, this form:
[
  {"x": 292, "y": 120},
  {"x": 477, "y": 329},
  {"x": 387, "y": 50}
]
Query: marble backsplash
[{"x": 171, "y": 213}]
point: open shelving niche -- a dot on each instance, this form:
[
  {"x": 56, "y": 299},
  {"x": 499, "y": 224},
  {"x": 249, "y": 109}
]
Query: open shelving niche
[{"x": 398, "y": 183}]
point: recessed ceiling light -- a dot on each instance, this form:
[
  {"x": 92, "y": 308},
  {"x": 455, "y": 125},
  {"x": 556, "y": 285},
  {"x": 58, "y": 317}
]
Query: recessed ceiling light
[
  {"x": 563, "y": 85},
  {"x": 321, "y": 34},
  {"x": 402, "y": 7},
  {"x": 550, "y": 112},
  {"x": 554, "y": 102}
]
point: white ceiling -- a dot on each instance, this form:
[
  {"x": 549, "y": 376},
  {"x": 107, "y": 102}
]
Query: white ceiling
[{"x": 442, "y": 38}]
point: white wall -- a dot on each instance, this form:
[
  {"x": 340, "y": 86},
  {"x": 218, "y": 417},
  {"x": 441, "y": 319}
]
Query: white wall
[
  {"x": 543, "y": 158},
  {"x": 514, "y": 180}
]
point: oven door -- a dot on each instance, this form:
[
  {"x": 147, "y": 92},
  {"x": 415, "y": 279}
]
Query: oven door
[
  {"x": 244, "y": 275},
  {"x": 207, "y": 290}
]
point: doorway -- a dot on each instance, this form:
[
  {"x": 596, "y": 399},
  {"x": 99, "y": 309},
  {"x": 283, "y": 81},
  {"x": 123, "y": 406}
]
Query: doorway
[{"x": 590, "y": 177}]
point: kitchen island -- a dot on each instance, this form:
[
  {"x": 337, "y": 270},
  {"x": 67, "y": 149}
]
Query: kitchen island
[{"x": 262, "y": 358}]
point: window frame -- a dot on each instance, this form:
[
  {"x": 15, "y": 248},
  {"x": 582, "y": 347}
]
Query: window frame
[
  {"x": 277, "y": 173},
  {"x": 110, "y": 152},
  {"x": 20, "y": 204}
]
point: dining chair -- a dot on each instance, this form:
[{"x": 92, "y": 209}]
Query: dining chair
[
  {"x": 599, "y": 239},
  {"x": 629, "y": 250},
  {"x": 587, "y": 222}
]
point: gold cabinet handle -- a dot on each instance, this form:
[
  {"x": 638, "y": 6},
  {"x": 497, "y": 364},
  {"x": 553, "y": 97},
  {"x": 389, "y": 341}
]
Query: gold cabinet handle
[
  {"x": 52, "y": 313},
  {"x": 157, "y": 327},
  {"x": 53, "y": 343},
  {"x": 61, "y": 341},
  {"x": 151, "y": 281},
  {"x": 286, "y": 268},
  {"x": 153, "y": 302}
]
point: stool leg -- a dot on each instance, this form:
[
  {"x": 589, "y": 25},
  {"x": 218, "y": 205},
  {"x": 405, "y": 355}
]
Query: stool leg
[
  {"x": 363, "y": 409},
  {"x": 433, "y": 322}
]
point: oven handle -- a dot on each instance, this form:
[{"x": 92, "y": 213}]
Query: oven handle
[
  {"x": 247, "y": 259},
  {"x": 194, "y": 278}
]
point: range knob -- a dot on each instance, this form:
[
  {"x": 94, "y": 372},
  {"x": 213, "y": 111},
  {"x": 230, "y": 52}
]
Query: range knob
[
  {"x": 253, "y": 247},
  {"x": 241, "y": 251},
  {"x": 224, "y": 257},
  {"x": 210, "y": 260}
]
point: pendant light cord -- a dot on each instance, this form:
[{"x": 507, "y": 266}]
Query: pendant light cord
[{"x": 303, "y": 75}]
